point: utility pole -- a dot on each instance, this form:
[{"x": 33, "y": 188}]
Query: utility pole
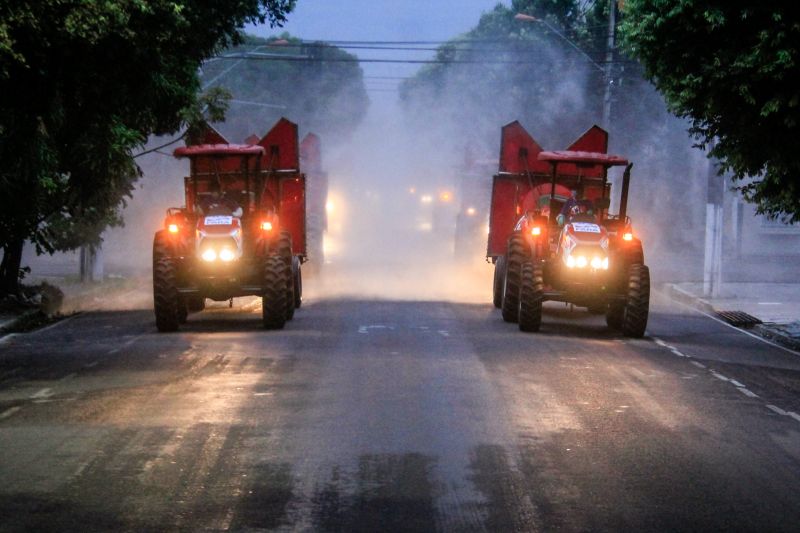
[
  {"x": 607, "y": 78},
  {"x": 712, "y": 263}
]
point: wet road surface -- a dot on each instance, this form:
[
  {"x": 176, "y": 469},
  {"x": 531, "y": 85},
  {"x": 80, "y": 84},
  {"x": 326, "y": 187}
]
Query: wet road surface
[{"x": 369, "y": 415}]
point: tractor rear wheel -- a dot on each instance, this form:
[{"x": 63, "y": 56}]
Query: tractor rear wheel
[
  {"x": 614, "y": 314},
  {"x": 195, "y": 303},
  {"x": 516, "y": 255},
  {"x": 499, "y": 280},
  {"x": 284, "y": 250},
  {"x": 165, "y": 295},
  {"x": 273, "y": 300},
  {"x": 531, "y": 297},
  {"x": 298, "y": 282},
  {"x": 637, "y": 305}
]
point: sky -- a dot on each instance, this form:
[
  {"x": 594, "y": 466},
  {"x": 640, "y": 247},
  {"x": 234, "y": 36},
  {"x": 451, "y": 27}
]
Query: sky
[{"x": 383, "y": 20}]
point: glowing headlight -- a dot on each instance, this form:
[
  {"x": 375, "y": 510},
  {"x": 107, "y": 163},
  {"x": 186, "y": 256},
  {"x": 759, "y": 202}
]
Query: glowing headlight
[
  {"x": 605, "y": 263},
  {"x": 571, "y": 262},
  {"x": 209, "y": 255},
  {"x": 227, "y": 255},
  {"x": 597, "y": 263},
  {"x": 581, "y": 261}
]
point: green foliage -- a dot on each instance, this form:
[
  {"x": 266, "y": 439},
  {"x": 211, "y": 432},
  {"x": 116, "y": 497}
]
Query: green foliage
[
  {"x": 731, "y": 69},
  {"x": 324, "y": 93},
  {"x": 84, "y": 84}
]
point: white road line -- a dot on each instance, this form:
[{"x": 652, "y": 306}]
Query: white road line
[
  {"x": 444, "y": 333},
  {"x": 43, "y": 393},
  {"x": 776, "y": 409},
  {"x": 661, "y": 343},
  {"x": 794, "y": 415},
  {"x": 678, "y": 352},
  {"x": 719, "y": 376},
  {"x": 699, "y": 365},
  {"x": 125, "y": 344},
  {"x": 736, "y": 383},
  {"x": 8, "y": 412},
  {"x": 747, "y": 392}
]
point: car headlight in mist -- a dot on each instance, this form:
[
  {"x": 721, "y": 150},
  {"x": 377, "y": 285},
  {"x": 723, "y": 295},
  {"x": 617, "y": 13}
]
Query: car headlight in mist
[
  {"x": 209, "y": 255},
  {"x": 445, "y": 196},
  {"x": 471, "y": 211},
  {"x": 426, "y": 199},
  {"x": 330, "y": 207}
]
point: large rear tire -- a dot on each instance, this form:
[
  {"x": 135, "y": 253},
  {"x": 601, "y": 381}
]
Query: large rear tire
[
  {"x": 284, "y": 250},
  {"x": 637, "y": 305},
  {"x": 165, "y": 295},
  {"x": 298, "y": 282},
  {"x": 614, "y": 314},
  {"x": 531, "y": 297},
  {"x": 515, "y": 256},
  {"x": 499, "y": 280},
  {"x": 273, "y": 300}
]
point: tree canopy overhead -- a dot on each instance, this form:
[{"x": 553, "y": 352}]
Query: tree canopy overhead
[
  {"x": 732, "y": 70},
  {"x": 83, "y": 85}
]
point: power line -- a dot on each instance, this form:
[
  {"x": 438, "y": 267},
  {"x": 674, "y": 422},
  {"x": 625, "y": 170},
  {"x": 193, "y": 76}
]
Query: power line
[{"x": 412, "y": 61}]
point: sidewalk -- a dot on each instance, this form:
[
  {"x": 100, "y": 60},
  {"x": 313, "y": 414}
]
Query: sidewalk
[{"x": 776, "y": 305}]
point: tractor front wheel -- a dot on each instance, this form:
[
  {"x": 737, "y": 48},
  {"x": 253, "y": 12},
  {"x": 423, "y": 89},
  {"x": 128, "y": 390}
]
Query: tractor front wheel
[
  {"x": 165, "y": 295},
  {"x": 531, "y": 297},
  {"x": 273, "y": 300},
  {"x": 515, "y": 256},
  {"x": 637, "y": 305},
  {"x": 499, "y": 280}
]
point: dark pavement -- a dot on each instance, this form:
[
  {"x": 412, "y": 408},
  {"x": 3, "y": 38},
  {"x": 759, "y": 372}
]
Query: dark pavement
[{"x": 370, "y": 415}]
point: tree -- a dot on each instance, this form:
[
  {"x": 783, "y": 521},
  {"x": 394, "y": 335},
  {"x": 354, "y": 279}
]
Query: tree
[
  {"x": 731, "y": 69},
  {"x": 83, "y": 85},
  {"x": 321, "y": 87}
]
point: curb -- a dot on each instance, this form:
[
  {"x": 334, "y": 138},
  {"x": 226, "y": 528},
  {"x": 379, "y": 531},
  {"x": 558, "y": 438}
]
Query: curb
[
  {"x": 777, "y": 336},
  {"x": 683, "y": 296},
  {"x": 766, "y": 330},
  {"x": 13, "y": 325}
]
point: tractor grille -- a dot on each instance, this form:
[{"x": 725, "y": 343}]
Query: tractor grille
[{"x": 738, "y": 319}]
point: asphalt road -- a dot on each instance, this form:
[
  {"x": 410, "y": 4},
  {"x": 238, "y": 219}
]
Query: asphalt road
[{"x": 370, "y": 415}]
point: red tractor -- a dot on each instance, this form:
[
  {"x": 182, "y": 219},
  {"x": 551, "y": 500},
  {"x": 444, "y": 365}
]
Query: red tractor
[
  {"x": 551, "y": 236},
  {"x": 240, "y": 233}
]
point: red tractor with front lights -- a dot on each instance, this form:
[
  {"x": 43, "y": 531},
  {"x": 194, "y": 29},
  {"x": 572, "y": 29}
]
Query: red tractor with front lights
[
  {"x": 240, "y": 233},
  {"x": 551, "y": 236}
]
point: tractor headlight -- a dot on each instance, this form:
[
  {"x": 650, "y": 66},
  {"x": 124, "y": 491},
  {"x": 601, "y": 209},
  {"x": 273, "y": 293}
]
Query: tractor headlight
[
  {"x": 605, "y": 263},
  {"x": 581, "y": 261},
  {"x": 597, "y": 263},
  {"x": 209, "y": 255},
  {"x": 227, "y": 255}
]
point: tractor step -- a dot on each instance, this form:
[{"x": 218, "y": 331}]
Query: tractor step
[{"x": 738, "y": 319}]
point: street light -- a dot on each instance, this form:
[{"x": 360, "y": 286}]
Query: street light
[{"x": 606, "y": 71}]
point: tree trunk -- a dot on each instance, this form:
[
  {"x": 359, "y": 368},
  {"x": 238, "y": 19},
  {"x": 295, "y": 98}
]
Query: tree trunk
[{"x": 9, "y": 268}]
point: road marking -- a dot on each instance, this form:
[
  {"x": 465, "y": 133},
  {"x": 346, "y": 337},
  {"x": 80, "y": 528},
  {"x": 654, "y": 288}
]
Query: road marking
[
  {"x": 747, "y": 392},
  {"x": 794, "y": 415},
  {"x": 736, "y": 383},
  {"x": 8, "y": 412},
  {"x": 43, "y": 393},
  {"x": 770, "y": 303},
  {"x": 444, "y": 333},
  {"x": 365, "y": 329},
  {"x": 125, "y": 344},
  {"x": 719, "y": 376},
  {"x": 776, "y": 409},
  {"x": 698, "y": 365}
]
